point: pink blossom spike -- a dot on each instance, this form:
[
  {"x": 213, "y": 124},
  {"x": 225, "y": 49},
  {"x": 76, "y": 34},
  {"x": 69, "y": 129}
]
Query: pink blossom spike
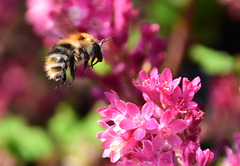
[
  {"x": 164, "y": 131},
  {"x": 139, "y": 134}
]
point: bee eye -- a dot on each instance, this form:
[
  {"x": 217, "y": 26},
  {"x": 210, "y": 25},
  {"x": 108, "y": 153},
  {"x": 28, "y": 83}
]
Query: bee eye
[{"x": 81, "y": 38}]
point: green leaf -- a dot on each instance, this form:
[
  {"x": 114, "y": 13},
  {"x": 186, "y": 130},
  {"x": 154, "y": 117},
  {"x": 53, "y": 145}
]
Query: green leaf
[
  {"x": 25, "y": 142},
  {"x": 211, "y": 61},
  {"x": 102, "y": 68},
  {"x": 164, "y": 12},
  {"x": 33, "y": 145},
  {"x": 134, "y": 37},
  {"x": 62, "y": 125}
]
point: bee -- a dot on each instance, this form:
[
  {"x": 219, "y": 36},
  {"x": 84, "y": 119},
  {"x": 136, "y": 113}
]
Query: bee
[{"x": 70, "y": 52}]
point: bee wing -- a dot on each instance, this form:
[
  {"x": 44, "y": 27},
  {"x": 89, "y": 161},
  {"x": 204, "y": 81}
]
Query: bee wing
[{"x": 63, "y": 26}]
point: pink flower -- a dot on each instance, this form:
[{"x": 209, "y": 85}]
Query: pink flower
[
  {"x": 193, "y": 85},
  {"x": 188, "y": 153},
  {"x": 139, "y": 121},
  {"x": 204, "y": 157},
  {"x": 113, "y": 143},
  {"x": 148, "y": 84},
  {"x": 165, "y": 82},
  {"x": 181, "y": 101},
  {"x": 168, "y": 131},
  {"x": 166, "y": 85}
]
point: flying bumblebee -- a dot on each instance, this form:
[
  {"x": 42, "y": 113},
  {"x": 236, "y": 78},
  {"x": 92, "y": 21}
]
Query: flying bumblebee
[{"x": 67, "y": 53}]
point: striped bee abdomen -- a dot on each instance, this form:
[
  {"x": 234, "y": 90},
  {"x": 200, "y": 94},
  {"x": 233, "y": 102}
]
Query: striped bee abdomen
[{"x": 57, "y": 63}]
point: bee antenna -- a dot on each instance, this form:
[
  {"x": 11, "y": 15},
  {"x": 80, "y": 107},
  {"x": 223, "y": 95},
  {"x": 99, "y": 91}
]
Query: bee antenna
[
  {"x": 54, "y": 35},
  {"x": 104, "y": 40}
]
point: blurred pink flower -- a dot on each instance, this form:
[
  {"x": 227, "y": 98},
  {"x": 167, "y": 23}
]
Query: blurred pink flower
[
  {"x": 224, "y": 95},
  {"x": 9, "y": 11},
  {"x": 38, "y": 14},
  {"x": 233, "y": 157},
  {"x": 100, "y": 18},
  {"x": 233, "y": 8}
]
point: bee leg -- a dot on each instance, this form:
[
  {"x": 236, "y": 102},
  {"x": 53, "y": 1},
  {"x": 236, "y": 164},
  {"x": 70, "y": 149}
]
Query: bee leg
[
  {"x": 64, "y": 80},
  {"x": 86, "y": 59},
  {"x": 72, "y": 69},
  {"x": 85, "y": 66},
  {"x": 92, "y": 60}
]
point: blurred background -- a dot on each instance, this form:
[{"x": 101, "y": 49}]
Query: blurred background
[{"x": 43, "y": 126}]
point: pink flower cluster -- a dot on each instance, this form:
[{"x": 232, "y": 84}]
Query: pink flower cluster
[
  {"x": 101, "y": 18},
  {"x": 164, "y": 131}
]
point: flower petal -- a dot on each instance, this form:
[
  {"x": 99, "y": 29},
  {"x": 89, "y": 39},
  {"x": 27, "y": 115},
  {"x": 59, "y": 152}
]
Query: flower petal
[
  {"x": 178, "y": 125},
  {"x": 111, "y": 113},
  {"x": 176, "y": 93},
  {"x": 139, "y": 134},
  {"x": 106, "y": 153},
  {"x": 166, "y": 118},
  {"x": 115, "y": 156},
  {"x": 127, "y": 124},
  {"x": 147, "y": 110},
  {"x": 174, "y": 140},
  {"x": 151, "y": 124},
  {"x": 121, "y": 106},
  {"x": 143, "y": 76},
  {"x": 176, "y": 82},
  {"x": 132, "y": 109},
  {"x": 190, "y": 105},
  {"x": 158, "y": 142},
  {"x": 154, "y": 72},
  {"x": 167, "y": 76},
  {"x": 111, "y": 96}
]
